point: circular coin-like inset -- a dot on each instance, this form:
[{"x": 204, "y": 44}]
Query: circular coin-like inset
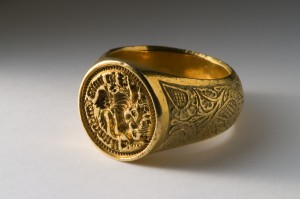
[{"x": 117, "y": 111}]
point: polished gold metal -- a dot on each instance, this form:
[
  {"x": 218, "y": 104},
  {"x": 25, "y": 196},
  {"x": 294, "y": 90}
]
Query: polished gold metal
[{"x": 138, "y": 100}]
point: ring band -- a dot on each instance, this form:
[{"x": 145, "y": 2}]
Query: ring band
[{"x": 138, "y": 100}]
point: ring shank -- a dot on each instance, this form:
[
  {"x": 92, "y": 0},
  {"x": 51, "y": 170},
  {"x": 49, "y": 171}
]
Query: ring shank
[
  {"x": 172, "y": 61},
  {"x": 198, "y": 96}
]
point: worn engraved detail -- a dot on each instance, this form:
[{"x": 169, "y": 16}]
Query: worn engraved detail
[
  {"x": 198, "y": 113},
  {"x": 118, "y": 111}
]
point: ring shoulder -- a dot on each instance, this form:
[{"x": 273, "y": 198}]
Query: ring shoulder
[{"x": 200, "y": 112}]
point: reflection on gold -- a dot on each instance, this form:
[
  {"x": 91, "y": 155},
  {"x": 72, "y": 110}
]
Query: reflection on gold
[{"x": 175, "y": 64}]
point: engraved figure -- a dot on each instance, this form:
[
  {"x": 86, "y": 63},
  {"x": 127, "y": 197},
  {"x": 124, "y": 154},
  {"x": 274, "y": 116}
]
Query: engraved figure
[{"x": 122, "y": 111}]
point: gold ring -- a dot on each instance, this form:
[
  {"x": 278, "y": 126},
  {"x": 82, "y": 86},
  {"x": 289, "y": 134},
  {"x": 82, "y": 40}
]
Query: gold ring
[{"x": 138, "y": 100}]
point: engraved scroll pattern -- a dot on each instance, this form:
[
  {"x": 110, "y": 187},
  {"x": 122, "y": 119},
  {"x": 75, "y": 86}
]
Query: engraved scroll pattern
[{"x": 198, "y": 113}]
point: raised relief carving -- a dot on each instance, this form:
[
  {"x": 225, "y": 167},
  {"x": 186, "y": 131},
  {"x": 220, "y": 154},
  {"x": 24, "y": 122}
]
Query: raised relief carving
[{"x": 119, "y": 111}]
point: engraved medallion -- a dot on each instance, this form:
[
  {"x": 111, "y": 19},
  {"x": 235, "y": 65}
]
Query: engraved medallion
[{"x": 117, "y": 110}]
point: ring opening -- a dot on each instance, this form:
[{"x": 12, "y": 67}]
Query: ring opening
[{"x": 172, "y": 61}]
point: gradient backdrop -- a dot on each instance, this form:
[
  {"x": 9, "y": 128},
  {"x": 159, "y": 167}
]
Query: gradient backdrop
[{"x": 47, "y": 46}]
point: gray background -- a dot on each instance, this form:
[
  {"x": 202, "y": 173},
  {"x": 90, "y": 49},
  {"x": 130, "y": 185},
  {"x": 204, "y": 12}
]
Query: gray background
[{"x": 47, "y": 46}]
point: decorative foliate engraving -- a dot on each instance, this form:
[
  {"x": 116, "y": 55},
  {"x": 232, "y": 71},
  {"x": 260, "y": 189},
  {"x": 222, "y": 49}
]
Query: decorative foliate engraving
[{"x": 197, "y": 113}]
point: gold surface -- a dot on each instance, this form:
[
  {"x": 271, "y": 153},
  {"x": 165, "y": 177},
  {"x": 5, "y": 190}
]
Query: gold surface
[
  {"x": 173, "y": 63},
  {"x": 141, "y": 99}
]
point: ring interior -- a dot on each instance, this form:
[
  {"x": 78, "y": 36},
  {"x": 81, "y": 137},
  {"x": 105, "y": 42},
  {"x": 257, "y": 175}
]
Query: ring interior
[{"x": 172, "y": 61}]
